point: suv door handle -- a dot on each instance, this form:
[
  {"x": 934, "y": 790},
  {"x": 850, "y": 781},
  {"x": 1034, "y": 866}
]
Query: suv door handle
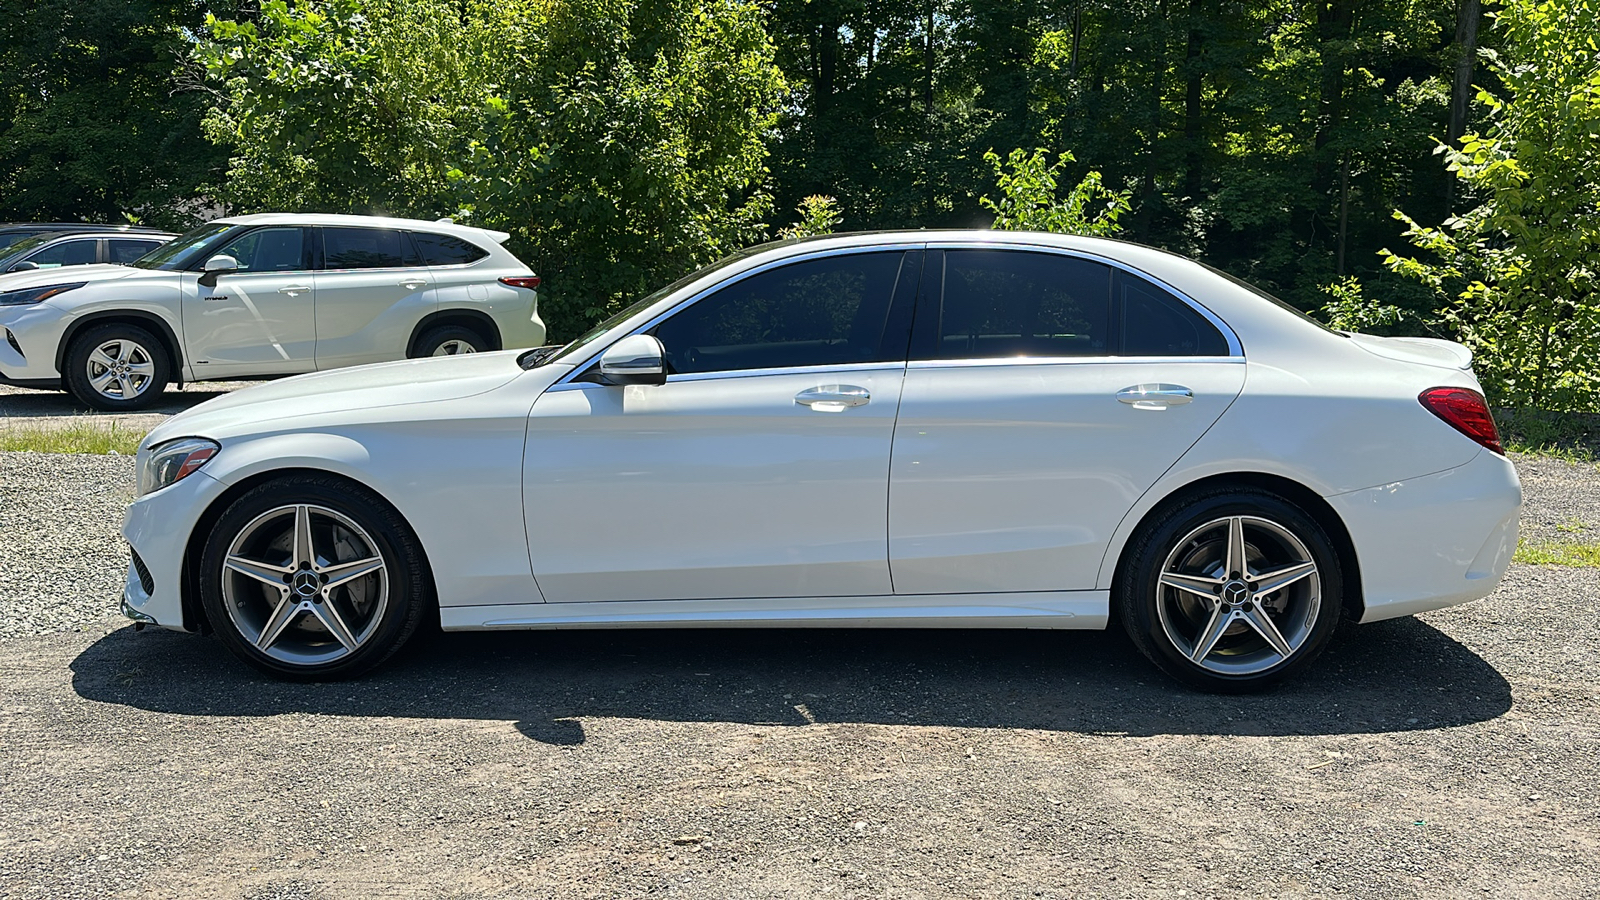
[
  {"x": 294, "y": 290},
  {"x": 833, "y": 397},
  {"x": 1155, "y": 396},
  {"x": 412, "y": 284}
]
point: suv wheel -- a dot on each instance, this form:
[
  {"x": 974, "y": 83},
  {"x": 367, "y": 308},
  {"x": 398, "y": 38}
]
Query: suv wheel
[
  {"x": 117, "y": 367},
  {"x": 450, "y": 340}
]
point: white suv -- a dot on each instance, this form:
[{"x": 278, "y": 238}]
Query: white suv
[{"x": 265, "y": 295}]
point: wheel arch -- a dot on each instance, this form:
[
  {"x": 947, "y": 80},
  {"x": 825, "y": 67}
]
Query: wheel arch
[
  {"x": 1287, "y": 488},
  {"x": 194, "y": 615},
  {"x": 163, "y": 330},
  {"x": 477, "y": 320}
]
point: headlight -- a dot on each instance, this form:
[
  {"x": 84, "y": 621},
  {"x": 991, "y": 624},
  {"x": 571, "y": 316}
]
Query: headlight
[
  {"x": 37, "y": 294},
  {"x": 173, "y": 461}
]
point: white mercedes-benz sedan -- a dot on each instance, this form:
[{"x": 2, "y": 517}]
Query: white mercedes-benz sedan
[{"x": 920, "y": 429}]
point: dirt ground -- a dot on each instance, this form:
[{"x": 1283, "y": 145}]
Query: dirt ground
[{"x": 1449, "y": 755}]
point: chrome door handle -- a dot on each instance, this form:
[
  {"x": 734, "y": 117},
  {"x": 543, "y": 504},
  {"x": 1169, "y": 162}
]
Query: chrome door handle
[
  {"x": 294, "y": 290},
  {"x": 413, "y": 284},
  {"x": 833, "y": 397},
  {"x": 1155, "y": 396}
]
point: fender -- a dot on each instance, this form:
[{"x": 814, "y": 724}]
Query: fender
[
  {"x": 480, "y": 320},
  {"x": 164, "y": 330}
]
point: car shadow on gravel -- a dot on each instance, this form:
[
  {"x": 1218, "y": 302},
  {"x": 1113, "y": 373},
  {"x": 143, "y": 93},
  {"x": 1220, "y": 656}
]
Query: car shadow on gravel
[{"x": 1392, "y": 676}]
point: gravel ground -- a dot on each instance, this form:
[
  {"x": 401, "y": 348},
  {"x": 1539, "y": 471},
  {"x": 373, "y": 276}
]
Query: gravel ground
[{"x": 1447, "y": 755}]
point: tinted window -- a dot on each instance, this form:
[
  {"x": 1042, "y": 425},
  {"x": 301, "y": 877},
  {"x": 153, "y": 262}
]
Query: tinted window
[
  {"x": 268, "y": 250},
  {"x": 126, "y": 251},
  {"x": 831, "y": 311},
  {"x": 67, "y": 253},
  {"x": 444, "y": 250},
  {"x": 1155, "y": 323},
  {"x": 364, "y": 248},
  {"x": 1000, "y": 303}
]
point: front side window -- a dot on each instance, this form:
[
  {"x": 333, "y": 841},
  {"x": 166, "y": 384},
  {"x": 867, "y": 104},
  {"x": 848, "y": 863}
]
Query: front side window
[
  {"x": 268, "y": 250},
  {"x": 1005, "y": 303},
  {"x": 365, "y": 248},
  {"x": 66, "y": 253},
  {"x": 821, "y": 312}
]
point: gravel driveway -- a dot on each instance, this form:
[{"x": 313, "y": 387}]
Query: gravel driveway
[{"x": 1448, "y": 755}]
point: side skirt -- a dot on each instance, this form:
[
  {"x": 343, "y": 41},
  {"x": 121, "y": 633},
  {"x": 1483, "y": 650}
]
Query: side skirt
[{"x": 1049, "y": 609}]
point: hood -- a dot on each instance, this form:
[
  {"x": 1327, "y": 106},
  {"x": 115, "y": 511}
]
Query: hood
[
  {"x": 1422, "y": 351},
  {"x": 12, "y": 281},
  {"x": 287, "y": 403}
]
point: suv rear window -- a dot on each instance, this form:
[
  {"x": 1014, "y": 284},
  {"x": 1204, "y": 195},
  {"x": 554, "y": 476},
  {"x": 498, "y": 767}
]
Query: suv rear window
[{"x": 447, "y": 250}]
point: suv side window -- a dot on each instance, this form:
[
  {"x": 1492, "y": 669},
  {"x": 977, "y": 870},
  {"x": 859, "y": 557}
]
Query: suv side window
[
  {"x": 366, "y": 248},
  {"x": 447, "y": 250},
  {"x": 124, "y": 251},
  {"x": 1155, "y": 323},
  {"x": 268, "y": 250},
  {"x": 67, "y": 253},
  {"x": 1003, "y": 303},
  {"x": 829, "y": 311}
]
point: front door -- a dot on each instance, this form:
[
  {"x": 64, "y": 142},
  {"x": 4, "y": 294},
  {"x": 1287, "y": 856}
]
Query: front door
[
  {"x": 760, "y": 469},
  {"x": 260, "y": 320},
  {"x": 1044, "y": 397}
]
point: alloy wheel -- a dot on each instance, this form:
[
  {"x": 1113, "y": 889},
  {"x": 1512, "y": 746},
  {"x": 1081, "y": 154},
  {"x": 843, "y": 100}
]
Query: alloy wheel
[
  {"x": 120, "y": 369},
  {"x": 454, "y": 348}
]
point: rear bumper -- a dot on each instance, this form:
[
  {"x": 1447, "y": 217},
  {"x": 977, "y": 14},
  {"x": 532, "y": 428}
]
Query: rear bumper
[{"x": 1435, "y": 541}]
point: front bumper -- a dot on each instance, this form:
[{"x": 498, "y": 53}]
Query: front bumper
[
  {"x": 157, "y": 526},
  {"x": 29, "y": 337},
  {"x": 1435, "y": 541}
]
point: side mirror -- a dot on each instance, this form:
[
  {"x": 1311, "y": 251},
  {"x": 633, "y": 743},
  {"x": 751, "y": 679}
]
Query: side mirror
[
  {"x": 24, "y": 266},
  {"x": 218, "y": 265},
  {"x": 636, "y": 359}
]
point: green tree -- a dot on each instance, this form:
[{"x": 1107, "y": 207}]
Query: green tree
[
  {"x": 1518, "y": 272},
  {"x": 1030, "y": 200}
]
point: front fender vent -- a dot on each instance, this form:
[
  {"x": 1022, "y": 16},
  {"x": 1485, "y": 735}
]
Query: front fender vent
[{"x": 146, "y": 582}]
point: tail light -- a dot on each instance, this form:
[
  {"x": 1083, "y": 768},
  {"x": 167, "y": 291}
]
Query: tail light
[
  {"x": 1465, "y": 411},
  {"x": 522, "y": 281}
]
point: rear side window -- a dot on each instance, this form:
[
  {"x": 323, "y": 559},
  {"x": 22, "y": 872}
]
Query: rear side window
[
  {"x": 447, "y": 250},
  {"x": 365, "y": 248},
  {"x": 125, "y": 251},
  {"x": 820, "y": 312},
  {"x": 1155, "y": 323},
  {"x": 66, "y": 253},
  {"x": 1000, "y": 303}
]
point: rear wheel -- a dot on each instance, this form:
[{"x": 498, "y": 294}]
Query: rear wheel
[
  {"x": 450, "y": 340},
  {"x": 312, "y": 578},
  {"x": 1232, "y": 590},
  {"x": 117, "y": 367}
]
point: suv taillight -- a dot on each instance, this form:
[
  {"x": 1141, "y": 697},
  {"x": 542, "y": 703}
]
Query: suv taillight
[
  {"x": 1465, "y": 411},
  {"x": 522, "y": 281}
]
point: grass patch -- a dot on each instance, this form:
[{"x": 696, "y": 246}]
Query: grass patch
[
  {"x": 85, "y": 437},
  {"x": 1551, "y": 554},
  {"x": 1574, "y": 437}
]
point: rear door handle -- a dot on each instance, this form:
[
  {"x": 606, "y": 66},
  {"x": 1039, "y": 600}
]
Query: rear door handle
[
  {"x": 833, "y": 397},
  {"x": 294, "y": 290},
  {"x": 1155, "y": 396}
]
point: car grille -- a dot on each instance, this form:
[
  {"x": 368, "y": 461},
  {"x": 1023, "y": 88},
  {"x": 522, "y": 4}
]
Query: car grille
[{"x": 145, "y": 581}]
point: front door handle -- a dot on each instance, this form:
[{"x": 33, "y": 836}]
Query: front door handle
[
  {"x": 294, "y": 290},
  {"x": 833, "y": 397},
  {"x": 1155, "y": 396},
  {"x": 412, "y": 284}
]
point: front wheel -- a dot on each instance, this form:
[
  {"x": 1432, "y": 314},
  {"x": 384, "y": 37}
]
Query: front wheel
[
  {"x": 117, "y": 368},
  {"x": 1231, "y": 591},
  {"x": 312, "y": 578}
]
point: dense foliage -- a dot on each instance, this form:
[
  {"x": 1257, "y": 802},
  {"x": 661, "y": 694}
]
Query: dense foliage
[{"x": 622, "y": 142}]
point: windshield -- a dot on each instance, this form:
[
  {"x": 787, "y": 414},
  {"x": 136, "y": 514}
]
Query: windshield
[
  {"x": 594, "y": 333},
  {"x": 183, "y": 251},
  {"x": 1266, "y": 296}
]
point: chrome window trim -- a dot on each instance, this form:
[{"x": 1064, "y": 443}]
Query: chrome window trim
[
  {"x": 990, "y": 361},
  {"x": 653, "y": 321},
  {"x": 743, "y": 373},
  {"x": 1235, "y": 347}
]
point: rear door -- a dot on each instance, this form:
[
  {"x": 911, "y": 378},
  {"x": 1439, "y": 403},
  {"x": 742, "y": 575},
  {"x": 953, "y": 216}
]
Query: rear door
[
  {"x": 372, "y": 290},
  {"x": 260, "y": 320},
  {"x": 1045, "y": 393}
]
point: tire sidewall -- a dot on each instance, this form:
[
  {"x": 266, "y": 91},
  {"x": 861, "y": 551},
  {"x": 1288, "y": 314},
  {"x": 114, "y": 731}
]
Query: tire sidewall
[
  {"x": 395, "y": 544},
  {"x": 1137, "y": 585},
  {"x": 77, "y": 361},
  {"x": 434, "y": 338}
]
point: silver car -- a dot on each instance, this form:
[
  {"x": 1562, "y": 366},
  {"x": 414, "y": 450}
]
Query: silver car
[
  {"x": 261, "y": 296},
  {"x": 55, "y": 250}
]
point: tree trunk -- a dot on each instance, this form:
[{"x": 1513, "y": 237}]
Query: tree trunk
[
  {"x": 1461, "y": 93},
  {"x": 1334, "y": 21},
  {"x": 927, "y": 67},
  {"x": 1193, "y": 115}
]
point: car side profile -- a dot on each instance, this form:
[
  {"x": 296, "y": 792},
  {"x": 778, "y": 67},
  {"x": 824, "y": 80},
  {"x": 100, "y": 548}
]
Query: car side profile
[
  {"x": 54, "y": 250},
  {"x": 12, "y": 233},
  {"x": 262, "y": 296},
  {"x": 916, "y": 429}
]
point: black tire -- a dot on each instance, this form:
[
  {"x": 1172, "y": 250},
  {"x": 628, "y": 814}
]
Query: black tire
[
  {"x": 380, "y": 609},
  {"x": 149, "y": 372},
  {"x": 1190, "y": 540},
  {"x": 448, "y": 336}
]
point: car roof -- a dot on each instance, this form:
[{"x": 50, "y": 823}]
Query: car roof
[
  {"x": 77, "y": 227},
  {"x": 443, "y": 226}
]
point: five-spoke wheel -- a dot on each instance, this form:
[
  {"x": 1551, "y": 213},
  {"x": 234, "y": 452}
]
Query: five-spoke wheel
[
  {"x": 312, "y": 577},
  {"x": 1231, "y": 590}
]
